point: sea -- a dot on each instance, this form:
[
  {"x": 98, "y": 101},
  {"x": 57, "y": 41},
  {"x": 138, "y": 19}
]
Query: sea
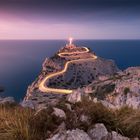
[{"x": 21, "y": 60}]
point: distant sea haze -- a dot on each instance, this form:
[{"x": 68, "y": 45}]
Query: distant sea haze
[{"x": 21, "y": 61}]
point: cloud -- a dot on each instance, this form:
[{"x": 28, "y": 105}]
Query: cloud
[
  {"x": 45, "y": 19},
  {"x": 12, "y": 29},
  {"x": 69, "y": 4}
]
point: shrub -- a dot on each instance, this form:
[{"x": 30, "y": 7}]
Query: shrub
[
  {"x": 126, "y": 90},
  {"x": 129, "y": 121},
  {"x": 14, "y": 123},
  {"x": 19, "y": 123},
  {"x": 96, "y": 113},
  {"x": 44, "y": 123},
  {"x": 124, "y": 120}
]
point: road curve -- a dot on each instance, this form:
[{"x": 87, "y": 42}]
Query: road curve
[
  {"x": 61, "y": 54},
  {"x": 44, "y": 88}
]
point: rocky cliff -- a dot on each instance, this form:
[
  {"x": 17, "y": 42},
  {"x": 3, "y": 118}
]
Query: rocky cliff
[
  {"x": 79, "y": 74},
  {"x": 104, "y": 103},
  {"x": 99, "y": 79},
  {"x": 118, "y": 90}
]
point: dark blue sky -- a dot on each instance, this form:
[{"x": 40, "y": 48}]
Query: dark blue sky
[{"x": 58, "y": 19}]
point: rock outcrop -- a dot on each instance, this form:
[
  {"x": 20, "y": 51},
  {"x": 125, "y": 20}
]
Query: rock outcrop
[
  {"x": 121, "y": 89},
  {"x": 118, "y": 90},
  {"x": 98, "y": 132},
  {"x": 6, "y": 100},
  {"x": 71, "y": 135},
  {"x": 59, "y": 112}
]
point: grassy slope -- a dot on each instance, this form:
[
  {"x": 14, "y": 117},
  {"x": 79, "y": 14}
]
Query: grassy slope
[{"x": 25, "y": 124}]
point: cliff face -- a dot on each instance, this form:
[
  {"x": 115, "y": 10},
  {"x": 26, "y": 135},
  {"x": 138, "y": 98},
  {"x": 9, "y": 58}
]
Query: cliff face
[
  {"x": 118, "y": 90},
  {"x": 126, "y": 88},
  {"x": 99, "y": 79},
  {"x": 78, "y": 74}
]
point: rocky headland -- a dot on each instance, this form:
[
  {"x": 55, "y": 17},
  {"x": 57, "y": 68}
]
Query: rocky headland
[
  {"x": 100, "y": 79},
  {"x": 101, "y": 102},
  {"x": 77, "y": 77}
]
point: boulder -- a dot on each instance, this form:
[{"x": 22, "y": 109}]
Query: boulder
[
  {"x": 74, "y": 97},
  {"x": 107, "y": 104},
  {"x": 68, "y": 106},
  {"x": 98, "y": 132},
  {"x": 61, "y": 127},
  {"x": 59, "y": 136},
  {"x": 71, "y": 135},
  {"x": 27, "y": 103},
  {"x": 115, "y": 136},
  {"x": 84, "y": 118},
  {"x": 59, "y": 112}
]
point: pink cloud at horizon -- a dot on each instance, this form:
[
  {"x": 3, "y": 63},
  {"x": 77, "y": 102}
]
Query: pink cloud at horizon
[{"x": 14, "y": 26}]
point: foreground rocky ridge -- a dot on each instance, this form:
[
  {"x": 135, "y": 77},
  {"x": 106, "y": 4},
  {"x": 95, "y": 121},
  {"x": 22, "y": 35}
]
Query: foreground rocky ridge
[
  {"x": 78, "y": 114},
  {"x": 98, "y": 132},
  {"x": 84, "y": 120}
]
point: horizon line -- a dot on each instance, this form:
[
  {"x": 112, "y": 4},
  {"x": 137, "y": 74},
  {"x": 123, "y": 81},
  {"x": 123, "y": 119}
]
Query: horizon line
[{"x": 67, "y": 39}]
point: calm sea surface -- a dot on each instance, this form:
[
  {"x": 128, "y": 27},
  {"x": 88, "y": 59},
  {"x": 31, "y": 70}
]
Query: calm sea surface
[{"x": 20, "y": 61}]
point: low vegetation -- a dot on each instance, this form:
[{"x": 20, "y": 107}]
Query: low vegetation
[
  {"x": 126, "y": 90},
  {"x": 18, "y": 123}
]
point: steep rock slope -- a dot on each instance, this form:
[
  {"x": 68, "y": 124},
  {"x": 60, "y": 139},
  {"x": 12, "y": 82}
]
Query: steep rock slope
[
  {"x": 78, "y": 74},
  {"x": 118, "y": 90}
]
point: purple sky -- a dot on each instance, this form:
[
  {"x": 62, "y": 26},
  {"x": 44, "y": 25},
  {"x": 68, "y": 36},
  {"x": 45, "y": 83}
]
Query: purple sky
[{"x": 81, "y": 19}]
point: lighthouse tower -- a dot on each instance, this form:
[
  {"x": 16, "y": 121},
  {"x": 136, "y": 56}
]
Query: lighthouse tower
[
  {"x": 70, "y": 40},
  {"x": 70, "y": 45}
]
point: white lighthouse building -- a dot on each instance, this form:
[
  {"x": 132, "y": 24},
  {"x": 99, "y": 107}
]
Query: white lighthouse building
[{"x": 70, "y": 45}]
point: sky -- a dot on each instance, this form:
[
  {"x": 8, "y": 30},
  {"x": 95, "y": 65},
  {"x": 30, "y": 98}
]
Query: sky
[{"x": 60, "y": 19}]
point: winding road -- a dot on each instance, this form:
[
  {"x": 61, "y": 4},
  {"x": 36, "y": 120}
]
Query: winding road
[{"x": 42, "y": 85}]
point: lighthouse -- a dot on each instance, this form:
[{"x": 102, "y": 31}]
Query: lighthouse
[
  {"x": 70, "y": 45},
  {"x": 70, "y": 40}
]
